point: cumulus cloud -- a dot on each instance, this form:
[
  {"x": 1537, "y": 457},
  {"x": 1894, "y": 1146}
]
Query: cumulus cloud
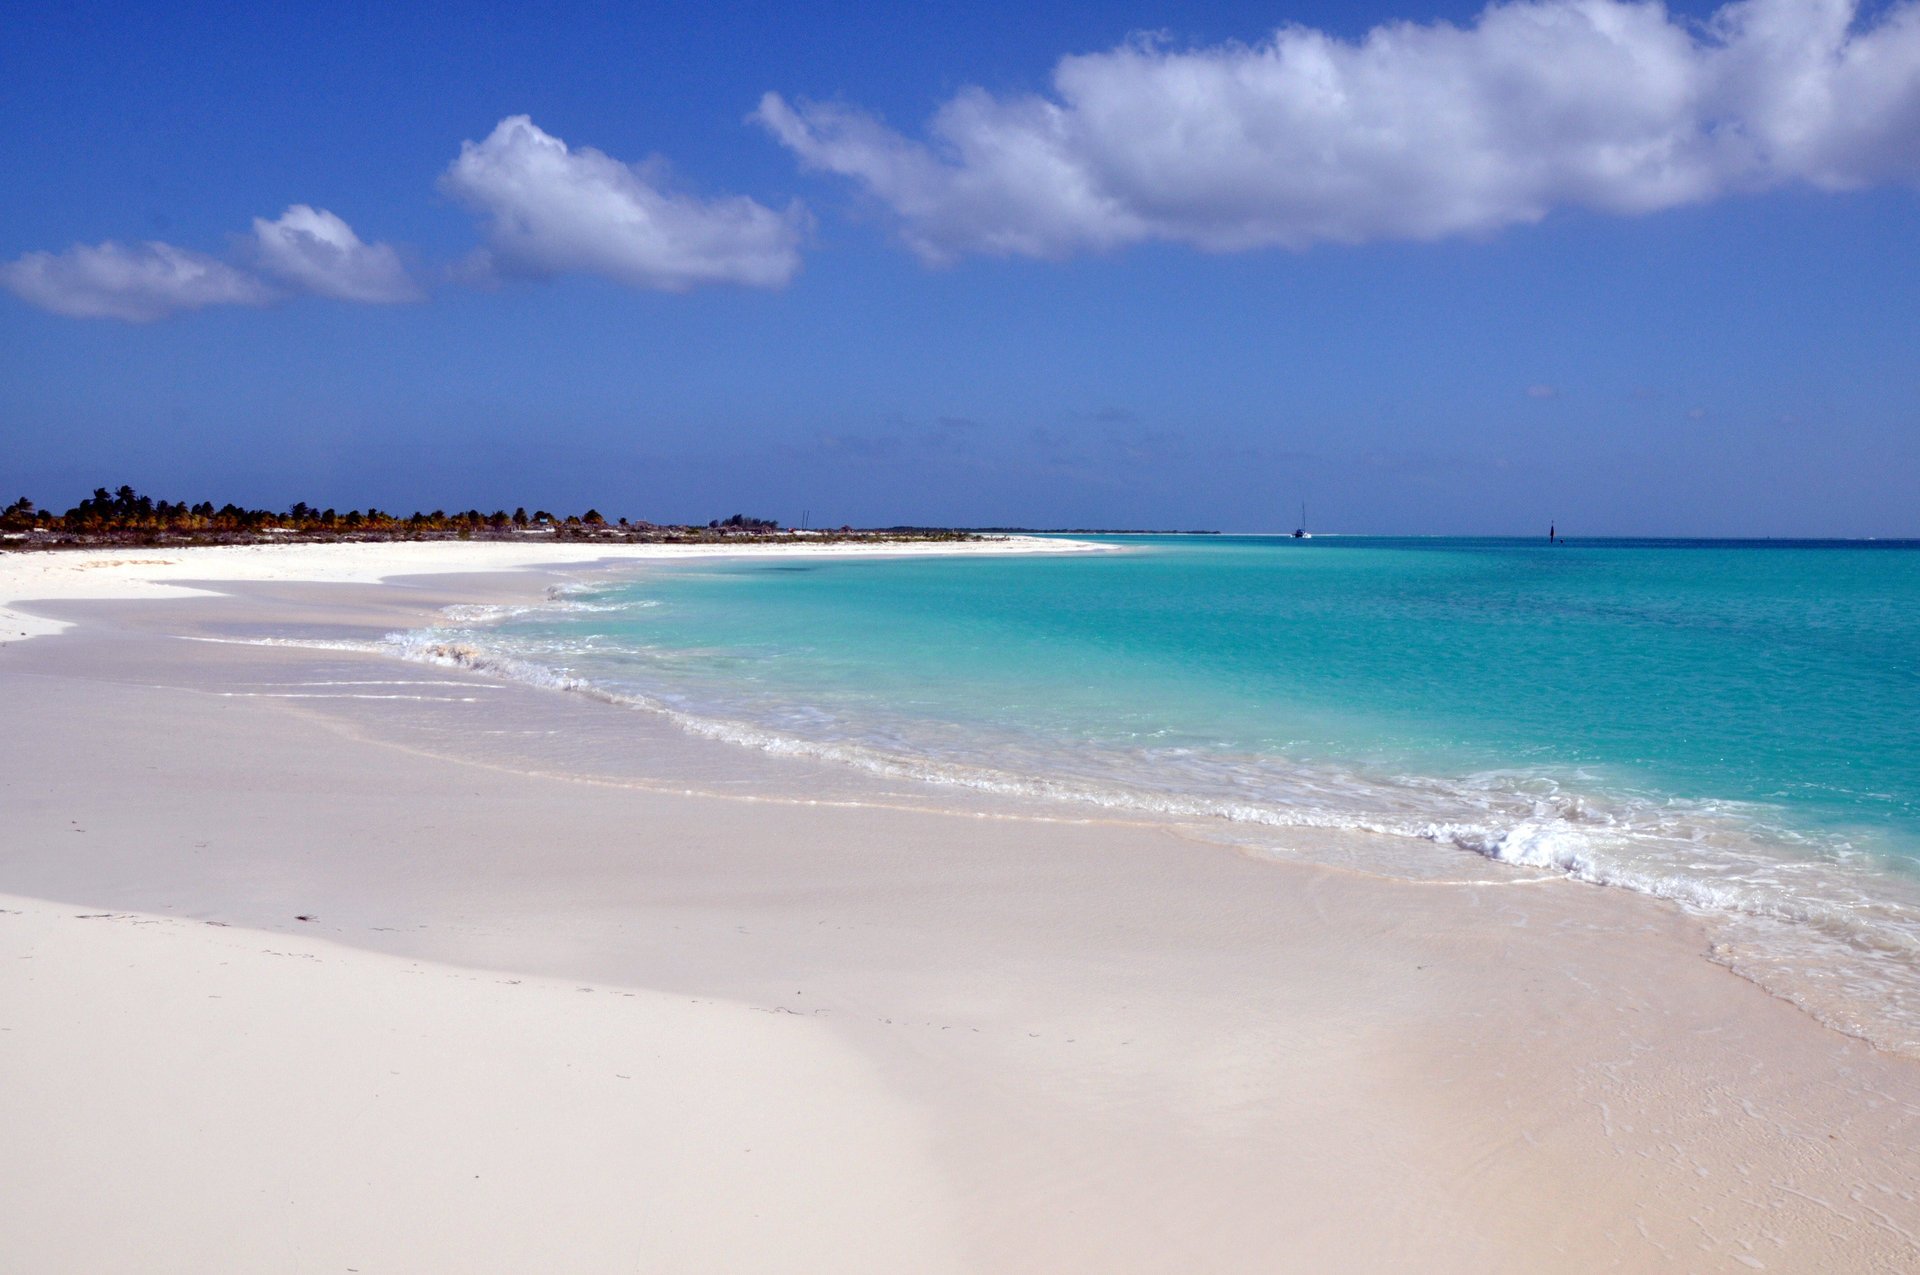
[
  {"x": 1415, "y": 131},
  {"x": 138, "y": 283},
  {"x": 551, "y": 209},
  {"x": 314, "y": 251}
]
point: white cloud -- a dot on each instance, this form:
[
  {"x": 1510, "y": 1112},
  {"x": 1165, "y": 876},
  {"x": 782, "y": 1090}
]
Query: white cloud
[
  {"x": 553, "y": 210},
  {"x": 1542, "y": 391},
  {"x": 1412, "y": 132},
  {"x": 139, "y": 283},
  {"x": 314, "y": 251},
  {"x": 306, "y": 250}
]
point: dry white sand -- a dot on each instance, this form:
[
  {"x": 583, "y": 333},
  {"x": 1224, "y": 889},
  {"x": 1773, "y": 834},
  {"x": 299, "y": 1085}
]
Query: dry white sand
[
  {"x": 974, "y": 1039},
  {"x": 161, "y": 572},
  {"x": 183, "y": 1097}
]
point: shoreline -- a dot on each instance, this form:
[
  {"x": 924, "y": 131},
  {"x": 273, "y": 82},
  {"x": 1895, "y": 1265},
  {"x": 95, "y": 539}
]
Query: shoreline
[
  {"x": 1849, "y": 980},
  {"x": 1124, "y": 1050}
]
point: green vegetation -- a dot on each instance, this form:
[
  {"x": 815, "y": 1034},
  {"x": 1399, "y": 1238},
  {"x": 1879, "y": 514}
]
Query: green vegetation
[{"x": 127, "y": 517}]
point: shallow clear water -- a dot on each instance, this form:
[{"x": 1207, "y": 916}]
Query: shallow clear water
[{"x": 1735, "y": 726}]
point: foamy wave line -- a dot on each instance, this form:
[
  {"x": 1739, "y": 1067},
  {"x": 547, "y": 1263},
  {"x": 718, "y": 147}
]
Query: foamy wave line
[
  {"x": 1543, "y": 846},
  {"x": 312, "y": 644},
  {"x": 557, "y": 603},
  {"x": 1571, "y": 838}
]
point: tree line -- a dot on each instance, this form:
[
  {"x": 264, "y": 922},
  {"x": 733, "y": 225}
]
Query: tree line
[
  {"x": 126, "y": 510},
  {"x": 126, "y": 514}
]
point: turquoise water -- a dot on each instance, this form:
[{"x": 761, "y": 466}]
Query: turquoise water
[{"x": 1735, "y": 726}]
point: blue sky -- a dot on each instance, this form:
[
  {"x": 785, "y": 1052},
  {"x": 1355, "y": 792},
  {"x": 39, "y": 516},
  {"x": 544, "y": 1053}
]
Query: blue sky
[{"x": 1424, "y": 268}]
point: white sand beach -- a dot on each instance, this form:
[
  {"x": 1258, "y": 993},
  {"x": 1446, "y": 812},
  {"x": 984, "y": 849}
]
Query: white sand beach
[
  {"x": 290, "y": 982},
  {"x": 101, "y": 574}
]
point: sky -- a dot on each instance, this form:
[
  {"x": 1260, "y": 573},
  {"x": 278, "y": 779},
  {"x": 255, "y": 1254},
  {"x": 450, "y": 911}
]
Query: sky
[{"x": 1423, "y": 268}]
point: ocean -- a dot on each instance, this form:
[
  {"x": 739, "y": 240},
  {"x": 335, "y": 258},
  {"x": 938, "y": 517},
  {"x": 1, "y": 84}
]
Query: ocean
[{"x": 1730, "y": 726}]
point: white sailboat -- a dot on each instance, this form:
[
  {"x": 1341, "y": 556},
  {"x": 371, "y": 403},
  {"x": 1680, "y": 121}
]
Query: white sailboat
[{"x": 1301, "y": 532}]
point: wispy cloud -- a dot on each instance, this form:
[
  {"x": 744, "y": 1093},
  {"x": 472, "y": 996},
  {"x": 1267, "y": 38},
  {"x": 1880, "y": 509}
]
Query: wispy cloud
[
  {"x": 1416, "y": 131},
  {"x": 307, "y": 250},
  {"x": 138, "y": 283},
  {"x": 551, "y": 209}
]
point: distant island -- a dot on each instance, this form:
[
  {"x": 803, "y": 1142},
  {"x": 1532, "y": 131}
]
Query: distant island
[{"x": 124, "y": 516}]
